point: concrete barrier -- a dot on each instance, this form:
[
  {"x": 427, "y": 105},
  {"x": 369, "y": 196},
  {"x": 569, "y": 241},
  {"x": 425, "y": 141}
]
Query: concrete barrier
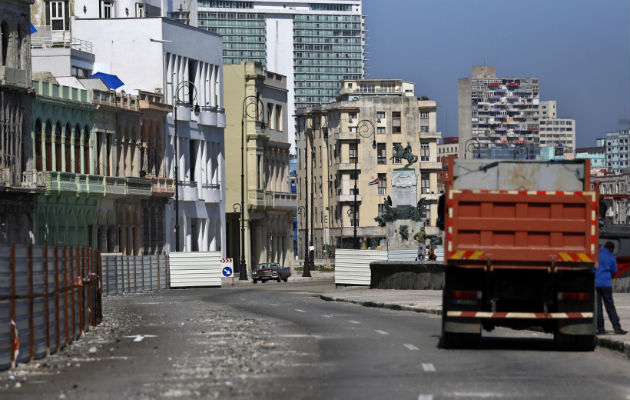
[{"x": 407, "y": 275}]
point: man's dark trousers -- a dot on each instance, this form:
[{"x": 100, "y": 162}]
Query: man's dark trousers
[{"x": 605, "y": 294}]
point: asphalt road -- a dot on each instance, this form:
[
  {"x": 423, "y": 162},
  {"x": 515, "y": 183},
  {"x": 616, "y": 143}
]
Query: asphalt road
[{"x": 281, "y": 341}]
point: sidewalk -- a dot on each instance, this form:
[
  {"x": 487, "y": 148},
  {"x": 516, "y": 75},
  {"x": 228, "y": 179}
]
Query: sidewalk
[{"x": 430, "y": 301}]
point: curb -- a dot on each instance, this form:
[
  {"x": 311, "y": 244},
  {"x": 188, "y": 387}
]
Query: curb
[{"x": 603, "y": 342}]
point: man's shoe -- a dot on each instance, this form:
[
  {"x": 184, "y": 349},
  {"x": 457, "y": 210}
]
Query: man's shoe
[
  {"x": 601, "y": 332},
  {"x": 620, "y": 332}
]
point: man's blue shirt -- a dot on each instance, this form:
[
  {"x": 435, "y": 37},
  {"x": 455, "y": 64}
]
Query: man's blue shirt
[{"x": 606, "y": 269}]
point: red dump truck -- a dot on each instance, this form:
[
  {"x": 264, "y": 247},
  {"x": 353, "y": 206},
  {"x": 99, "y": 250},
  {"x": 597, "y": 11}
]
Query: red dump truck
[{"x": 521, "y": 240}]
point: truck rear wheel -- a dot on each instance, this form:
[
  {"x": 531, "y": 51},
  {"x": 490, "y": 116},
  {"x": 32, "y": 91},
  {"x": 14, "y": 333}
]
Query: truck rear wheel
[
  {"x": 574, "y": 342},
  {"x": 456, "y": 340}
]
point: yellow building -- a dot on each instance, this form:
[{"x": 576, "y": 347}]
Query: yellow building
[
  {"x": 358, "y": 133},
  {"x": 256, "y": 116}
]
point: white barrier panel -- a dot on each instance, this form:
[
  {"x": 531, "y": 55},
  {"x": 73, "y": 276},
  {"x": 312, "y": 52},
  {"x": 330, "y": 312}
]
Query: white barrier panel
[
  {"x": 195, "y": 269},
  {"x": 352, "y": 267}
]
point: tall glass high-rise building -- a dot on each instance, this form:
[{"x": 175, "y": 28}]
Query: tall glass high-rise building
[{"x": 316, "y": 44}]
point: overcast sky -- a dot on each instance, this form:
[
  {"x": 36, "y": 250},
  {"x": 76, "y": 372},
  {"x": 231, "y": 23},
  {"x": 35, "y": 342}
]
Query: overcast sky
[{"x": 579, "y": 49}]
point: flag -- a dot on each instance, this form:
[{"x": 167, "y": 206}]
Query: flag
[{"x": 373, "y": 182}]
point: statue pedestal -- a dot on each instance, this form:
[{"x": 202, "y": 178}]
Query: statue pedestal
[
  {"x": 404, "y": 187},
  {"x": 400, "y": 231},
  {"x": 394, "y": 237}
]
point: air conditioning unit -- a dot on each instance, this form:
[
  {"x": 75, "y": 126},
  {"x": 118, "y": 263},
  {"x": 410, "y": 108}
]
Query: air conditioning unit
[{"x": 378, "y": 120}]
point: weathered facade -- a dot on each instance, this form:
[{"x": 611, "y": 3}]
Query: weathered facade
[
  {"x": 16, "y": 183},
  {"x": 259, "y": 118},
  {"x": 347, "y": 147},
  {"x": 62, "y": 139}
]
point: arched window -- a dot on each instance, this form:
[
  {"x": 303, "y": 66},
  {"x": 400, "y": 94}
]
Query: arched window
[
  {"x": 58, "y": 145},
  {"x": 20, "y": 47},
  {"x": 77, "y": 149},
  {"x": 4, "y": 32},
  {"x": 38, "y": 145},
  {"x": 86, "y": 150},
  {"x": 49, "y": 146},
  {"x": 68, "y": 149}
]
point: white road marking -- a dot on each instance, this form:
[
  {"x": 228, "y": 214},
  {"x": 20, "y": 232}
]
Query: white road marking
[
  {"x": 483, "y": 395},
  {"x": 410, "y": 347},
  {"x": 428, "y": 367},
  {"x": 139, "y": 338},
  {"x": 425, "y": 397},
  {"x": 274, "y": 305},
  {"x": 381, "y": 332},
  {"x": 299, "y": 310},
  {"x": 327, "y": 315},
  {"x": 354, "y": 322}
]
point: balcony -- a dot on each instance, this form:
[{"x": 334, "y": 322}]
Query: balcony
[
  {"x": 104, "y": 98},
  {"x": 348, "y": 198},
  {"x": 284, "y": 200},
  {"x": 61, "y": 181},
  {"x": 115, "y": 186},
  {"x": 346, "y": 136},
  {"x": 162, "y": 187},
  {"x": 138, "y": 187},
  {"x": 33, "y": 180},
  {"x": 211, "y": 192},
  {"x": 14, "y": 77},
  {"x": 5, "y": 177},
  {"x": 348, "y": 166},
  {"x": 430, "y": 135},
  {"x": 208, "y": 116},
  {"x": 188, "y": 191},
  {"x": 90, "y": 184},
  {"x": 256, "y": 198},
  {"x": 221, "y": 117},
  {"x": 127, "y": 101}
]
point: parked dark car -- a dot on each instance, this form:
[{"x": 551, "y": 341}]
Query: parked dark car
[{"x": 270, "y": 272}]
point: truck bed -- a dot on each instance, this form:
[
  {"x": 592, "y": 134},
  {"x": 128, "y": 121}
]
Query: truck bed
[{"x": 522, "y": 229}]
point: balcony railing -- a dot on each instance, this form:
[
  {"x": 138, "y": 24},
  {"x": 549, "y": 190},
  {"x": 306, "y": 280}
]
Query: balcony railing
[
  {"x": 115, "y": 186},
  {"x": 138, "y": 186},
  {"x": 284, "y": 200}
]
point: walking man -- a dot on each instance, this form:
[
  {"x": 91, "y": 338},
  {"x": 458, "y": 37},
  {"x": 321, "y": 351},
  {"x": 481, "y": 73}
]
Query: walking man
[{"x": 603, "y": 285}]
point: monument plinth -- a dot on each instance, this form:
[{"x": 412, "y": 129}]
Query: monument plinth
[{"x": 404, "y": 215}]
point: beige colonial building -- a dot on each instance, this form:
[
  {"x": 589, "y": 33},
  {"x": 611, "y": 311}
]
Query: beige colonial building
[
  {"x": 257, "y": 104},
  {"x": 357, "y": 135}
]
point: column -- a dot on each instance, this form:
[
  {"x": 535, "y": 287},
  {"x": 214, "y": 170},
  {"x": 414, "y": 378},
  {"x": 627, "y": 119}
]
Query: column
[
  {"x": 187, "y": 234},
  {"x": 206, "y": 235}
]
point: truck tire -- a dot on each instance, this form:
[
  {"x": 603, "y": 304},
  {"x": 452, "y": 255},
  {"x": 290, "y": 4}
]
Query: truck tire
[
  {"x": 456, "y": 340},
  {"x": 574, "y": 342}
]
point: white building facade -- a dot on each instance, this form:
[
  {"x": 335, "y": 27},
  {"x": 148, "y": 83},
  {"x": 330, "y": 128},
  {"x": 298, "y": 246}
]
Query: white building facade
[
  {"x": 554, "y": 131},
  {"x": 316, "y": 44},
  {"x": 184, "y": 63}
]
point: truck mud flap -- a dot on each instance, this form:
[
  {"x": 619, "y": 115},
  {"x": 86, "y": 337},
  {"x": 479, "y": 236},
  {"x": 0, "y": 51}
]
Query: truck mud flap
[{"x": 462, "y": 327}]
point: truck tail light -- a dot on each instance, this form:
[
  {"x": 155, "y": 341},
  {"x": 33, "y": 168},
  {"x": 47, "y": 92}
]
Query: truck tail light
[
  {"x": 466, "y": 294},
  {"x": 574, "y": 296}
]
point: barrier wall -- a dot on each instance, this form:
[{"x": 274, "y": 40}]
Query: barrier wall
[
  {"x": 134, "y": 274},
  {"x": 195, "y": 269},
  {"x": 49, "y": 296},
  {"x": 352, "y": 267}
]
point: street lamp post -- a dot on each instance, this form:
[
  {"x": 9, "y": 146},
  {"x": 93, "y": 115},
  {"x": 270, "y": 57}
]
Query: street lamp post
[
  {"x": 303, "y": 210},
  {"x": 251, "y": 105},
  {"x": 190, "y": 91},
  {"x": 365, "y": 129}
]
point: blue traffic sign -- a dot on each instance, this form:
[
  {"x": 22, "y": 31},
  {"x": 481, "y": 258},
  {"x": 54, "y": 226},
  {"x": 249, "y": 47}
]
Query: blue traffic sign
[{"x": 227, "y": 272}]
